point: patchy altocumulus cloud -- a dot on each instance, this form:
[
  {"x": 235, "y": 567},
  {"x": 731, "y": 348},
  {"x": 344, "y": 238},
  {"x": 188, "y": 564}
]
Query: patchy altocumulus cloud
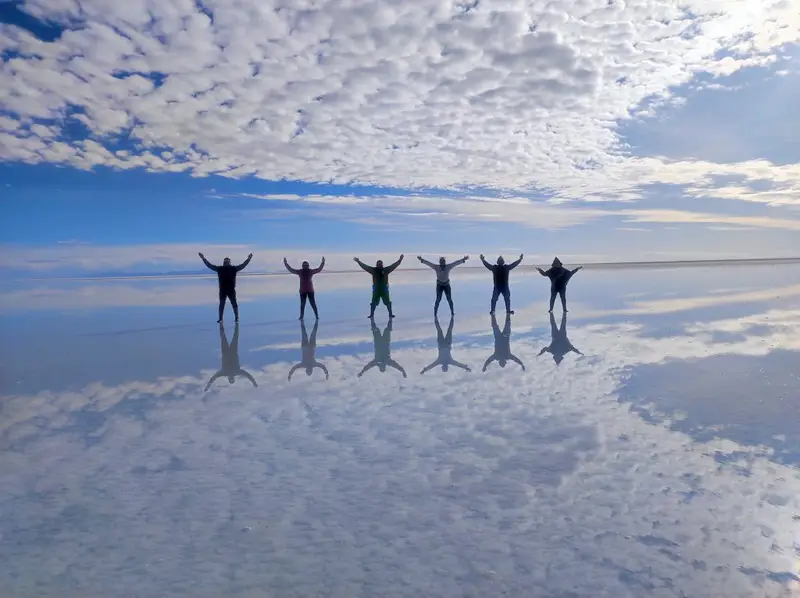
[{"x": 514, "y": 94}]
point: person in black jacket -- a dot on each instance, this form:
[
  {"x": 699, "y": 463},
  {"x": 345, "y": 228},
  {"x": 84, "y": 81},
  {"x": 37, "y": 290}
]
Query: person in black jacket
[
  {"x": 230, "y": 359},
  {"x": 502, "y": 345},
  {"x": 559, "y": 277},
  {"x": 559, "y": 345},
  {"x": 226, "y": 273},
  {"x": 500, "y": 272}
]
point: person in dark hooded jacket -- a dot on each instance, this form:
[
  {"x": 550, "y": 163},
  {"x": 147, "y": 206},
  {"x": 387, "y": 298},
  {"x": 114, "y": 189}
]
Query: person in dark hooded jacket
[
  {"x": 559, "y": 345},
  {"x": 559, "y": 277}
]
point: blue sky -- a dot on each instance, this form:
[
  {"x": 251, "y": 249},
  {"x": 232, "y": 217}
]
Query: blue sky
[{"x": 136, "y": 134}]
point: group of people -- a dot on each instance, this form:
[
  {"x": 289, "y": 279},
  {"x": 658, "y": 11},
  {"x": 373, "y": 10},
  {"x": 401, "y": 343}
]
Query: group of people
[
  {"x": 559, "y": 347},
  {"x": 559, "y": 277}
]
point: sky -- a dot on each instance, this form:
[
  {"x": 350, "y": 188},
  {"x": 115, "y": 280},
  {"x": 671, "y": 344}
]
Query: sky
[{"x": 135, "y": 134}]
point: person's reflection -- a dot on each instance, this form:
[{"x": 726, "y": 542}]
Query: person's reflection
[
  {"x": 309, "y": 349},
  {"x": 230, "y": 358},
  {"x": 559, "y": 343},
  {"x": 445, "y": 342},
  {"x": 502, "y": 345},
  {"x": 383, "y": 351}
]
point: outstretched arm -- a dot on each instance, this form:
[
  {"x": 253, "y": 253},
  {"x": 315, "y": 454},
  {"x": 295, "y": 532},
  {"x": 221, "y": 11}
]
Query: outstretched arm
[
  {"x": 426, "y": 262},
  {"x": 289, "y": 268},
  {"x": 294, "y": 369},
  {"x": 243, "y": 265},
  {"x": 513, "y": 265},
  {"x": 321, "y": 366},
  {"x": 488, "y": 361},
  {"x": 543, "y": 351},
  {"x": 576, "y": 269},
  {"x": 517, "y": 360},
  {"x": 463, "y": 260},
  {"x": 321, "y": 266},
  {"x": 543, "y": 273},
  {"x": 458, "y": 364},
  {"x": 368, "y": 367},
  {"x": 428, "y": 368},
  {"x": 249, "y": 377},
  {"x": 363, "y": 266},
  {"x": 208, "y": 264},
  {"x": 392, "y": 268},
  {"x": 212, "y": 379},
  {"x": 397, "y": 366},
  {"x": 485, "y": 263},
  {"x": 574, "y": 350}
]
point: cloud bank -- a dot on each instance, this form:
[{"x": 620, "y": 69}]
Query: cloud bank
[{"x": 518, "y": 94}]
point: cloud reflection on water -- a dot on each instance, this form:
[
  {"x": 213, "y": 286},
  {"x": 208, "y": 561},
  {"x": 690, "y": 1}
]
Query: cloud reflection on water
[{"x": 503, "y": 481}]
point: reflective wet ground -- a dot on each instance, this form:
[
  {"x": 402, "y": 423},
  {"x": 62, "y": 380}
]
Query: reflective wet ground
[{"x": 645, "y": 446}]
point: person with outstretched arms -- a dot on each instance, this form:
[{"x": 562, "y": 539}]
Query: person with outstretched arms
[
  {"x": 559, "y": 277},
  {"x": 380, "y": 283},
  {"x": 306, "y": 285},
  {"x": 500, "y": 272},
  {"x": 442, "y": 270},
  {"x": 226, "y": 273}
]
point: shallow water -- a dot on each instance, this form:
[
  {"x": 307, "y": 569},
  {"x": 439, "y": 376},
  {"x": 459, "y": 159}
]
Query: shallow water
[{"x": 659, "y": 460}]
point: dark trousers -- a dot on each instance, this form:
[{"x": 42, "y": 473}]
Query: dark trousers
[
  {"x": 506, "y": 293},
  {"x": 230, "y": 295},
  {"x": 562, "y": 293},
  {"x": 443, "y": 288},
  {"x": 310, "y": 298}
]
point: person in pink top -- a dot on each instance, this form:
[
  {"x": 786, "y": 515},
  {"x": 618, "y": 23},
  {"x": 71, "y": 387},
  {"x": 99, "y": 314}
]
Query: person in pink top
[{"x": 306, "y": 285}]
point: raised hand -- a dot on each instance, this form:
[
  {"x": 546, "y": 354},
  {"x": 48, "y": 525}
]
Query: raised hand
[
  {"x": 355, "y": 259},
  {"x": 520, "y": 256},
  {"x": 200, "y": 254},
  {"x": 466, "y": 257},
  {"x": 419, "y": 257},
  {"x": 482, "y": 257},
  {"x": 250, "y": 256}
]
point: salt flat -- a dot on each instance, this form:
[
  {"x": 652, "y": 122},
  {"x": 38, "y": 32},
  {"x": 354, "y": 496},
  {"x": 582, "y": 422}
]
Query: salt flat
[{"x": 658, "y": 459}]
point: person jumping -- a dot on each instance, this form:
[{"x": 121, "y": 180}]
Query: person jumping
[
  {"x": 380, "y": 284},
  {"x": 306, "y": 285},
  {"x": 500, "y": 272},
  {"x": 226, "y": 273},
  {"x": 443, "y": 280},
  {"x": 559, "y": 277}
]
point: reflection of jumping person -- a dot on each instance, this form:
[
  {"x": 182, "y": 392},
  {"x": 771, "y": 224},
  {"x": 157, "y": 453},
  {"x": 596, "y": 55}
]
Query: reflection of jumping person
[
  {"x": 226, "y": 273},
  {"x": 445, "y": 345},
  {"x": 559, "y": 277},
  {"x": 380, "y": 284},
  {"x": 500, "y": 272},
  {"x": 559, "y": 343},
  {"x": 383, "y": 351},
  {"x": 230, "y": 358},
  {"x": 309, "y": 349},
  {"x": 306, "y": 285},
  {"x": 502, "y": 345},
  {"x": 443, "y": 279}
]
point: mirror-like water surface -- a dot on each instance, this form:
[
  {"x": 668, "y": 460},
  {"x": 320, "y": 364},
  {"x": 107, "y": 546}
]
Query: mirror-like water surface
[{"x": 645, "y": 445}]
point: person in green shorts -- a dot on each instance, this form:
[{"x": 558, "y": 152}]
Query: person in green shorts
[{"x": 380, "y": 284}]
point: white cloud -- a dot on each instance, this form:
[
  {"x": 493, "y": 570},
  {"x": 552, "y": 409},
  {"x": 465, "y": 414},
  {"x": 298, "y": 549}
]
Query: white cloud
[{"x": 513, "y": 95}]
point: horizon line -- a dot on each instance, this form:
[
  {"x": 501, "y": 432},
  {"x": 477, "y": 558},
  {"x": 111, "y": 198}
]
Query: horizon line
[{"x": 774, "y": 261}]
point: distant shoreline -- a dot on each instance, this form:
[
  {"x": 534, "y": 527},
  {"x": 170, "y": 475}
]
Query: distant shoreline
[{"x": 783, "y": 261}]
